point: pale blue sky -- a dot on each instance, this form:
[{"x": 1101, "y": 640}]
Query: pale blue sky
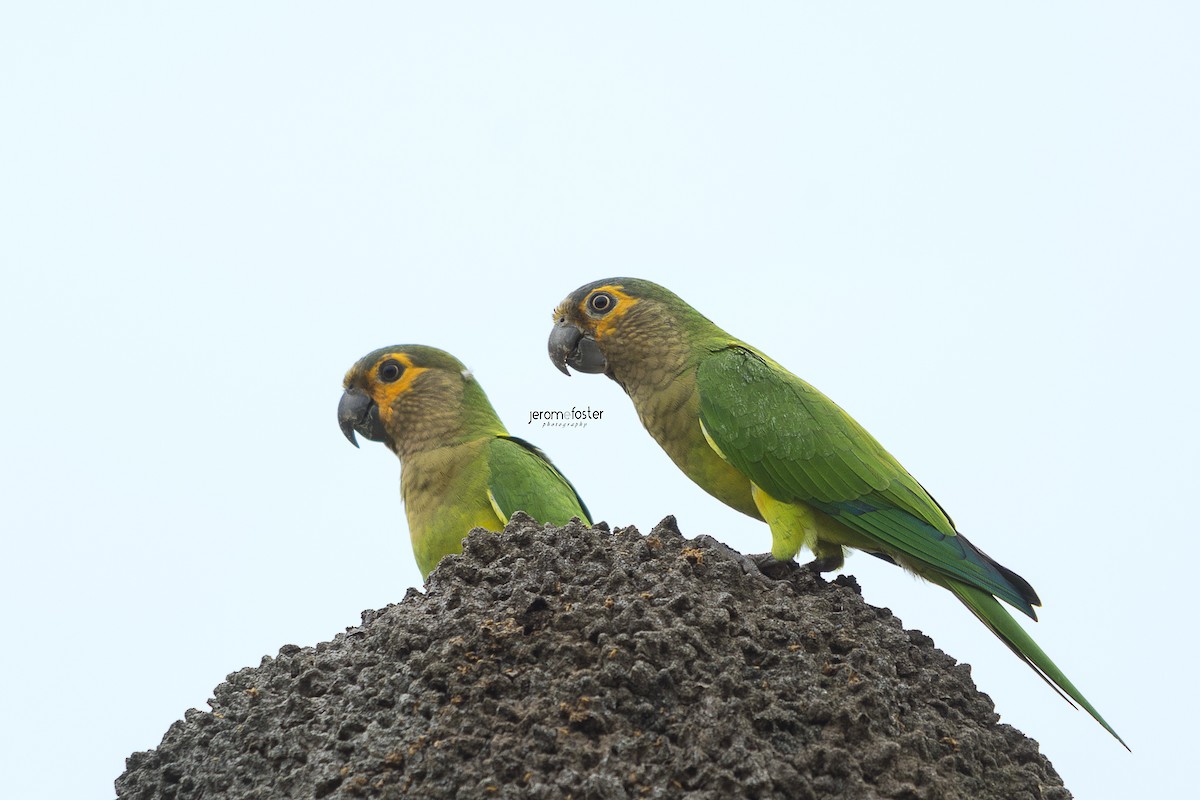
[{"x": 975, "y": 229}]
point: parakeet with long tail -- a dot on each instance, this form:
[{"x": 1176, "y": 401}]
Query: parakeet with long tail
[
  {"x": 763, "y": 441},
  {"x": 459, "y": 468}
]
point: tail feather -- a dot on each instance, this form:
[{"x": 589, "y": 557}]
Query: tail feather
[
  {"x": 989, "y": 611},
  {"x": 1019, "y": 584}
]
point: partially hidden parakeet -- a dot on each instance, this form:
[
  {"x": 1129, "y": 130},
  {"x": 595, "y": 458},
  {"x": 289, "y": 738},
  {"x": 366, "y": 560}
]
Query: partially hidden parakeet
[
  {"x": 763, "y": 441},
  {"x": 459, "y": 468}
]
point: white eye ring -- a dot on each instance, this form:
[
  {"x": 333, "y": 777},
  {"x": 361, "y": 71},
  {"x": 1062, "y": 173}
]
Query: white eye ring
[
  {"x": 601, "y": 302},
  {"x": 390, "y": 371}
]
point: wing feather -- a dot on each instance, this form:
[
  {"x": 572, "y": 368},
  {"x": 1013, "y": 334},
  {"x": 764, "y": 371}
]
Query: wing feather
[
  {"x": 797, "y": 445},
  {"x": 522, "y": 478}
]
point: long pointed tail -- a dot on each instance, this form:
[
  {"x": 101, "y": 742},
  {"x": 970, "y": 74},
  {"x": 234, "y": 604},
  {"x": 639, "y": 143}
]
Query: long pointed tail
[{"x": 989, "y": 611}]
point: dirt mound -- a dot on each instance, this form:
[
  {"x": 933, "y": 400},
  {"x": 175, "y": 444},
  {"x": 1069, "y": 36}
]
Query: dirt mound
[{"x": 575, "y": 662}]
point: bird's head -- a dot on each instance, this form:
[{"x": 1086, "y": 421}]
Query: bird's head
[
  {"x": 408, "y": 396},
  {"x": 607, "y": 325}
]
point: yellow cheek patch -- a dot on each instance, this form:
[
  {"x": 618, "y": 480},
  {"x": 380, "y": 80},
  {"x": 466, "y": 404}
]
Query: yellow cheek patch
[
  {"x": 604, "y": 325},
  {"x": 385, "y": 394}
]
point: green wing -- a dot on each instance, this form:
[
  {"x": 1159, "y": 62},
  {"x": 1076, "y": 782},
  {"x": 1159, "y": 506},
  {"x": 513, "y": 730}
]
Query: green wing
[
  {"x": 798, "y": 445},
  {"x": 522, "y": 478}
]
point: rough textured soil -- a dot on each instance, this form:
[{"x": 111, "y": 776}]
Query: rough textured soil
[{"x": 578, "y": 663}]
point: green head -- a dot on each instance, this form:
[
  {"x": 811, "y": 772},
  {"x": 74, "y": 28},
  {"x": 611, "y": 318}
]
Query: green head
[{"x": 412, "y": 397}]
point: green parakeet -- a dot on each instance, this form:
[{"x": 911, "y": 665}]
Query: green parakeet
[
  {"x": 459, "y": 468},
  {"x": 763, "y": 441}
]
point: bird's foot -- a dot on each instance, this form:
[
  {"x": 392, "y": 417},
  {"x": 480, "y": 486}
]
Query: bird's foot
[
  {"x": 826, "y": 563},
  {"x": 772, "y": 567}
]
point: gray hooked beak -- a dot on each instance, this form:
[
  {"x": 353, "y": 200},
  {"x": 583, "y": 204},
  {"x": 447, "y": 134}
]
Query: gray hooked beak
[
  {"x": 358, "y": 412},
  {"x": 568, "y": 345}
]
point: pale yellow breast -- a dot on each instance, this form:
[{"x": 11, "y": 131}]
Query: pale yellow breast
[{"x": 445, "y": 496}]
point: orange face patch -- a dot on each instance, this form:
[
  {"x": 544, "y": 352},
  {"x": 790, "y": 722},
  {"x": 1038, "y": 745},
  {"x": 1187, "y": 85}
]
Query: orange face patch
[
  {"x": 383, "y": 393},
  {"x": 603, "y": 322}
]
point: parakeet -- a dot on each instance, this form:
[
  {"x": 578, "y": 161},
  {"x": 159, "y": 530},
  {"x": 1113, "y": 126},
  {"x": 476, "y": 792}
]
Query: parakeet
[
  {"x": 763, "y": 441},
  {"x": 459, "y": 468}
]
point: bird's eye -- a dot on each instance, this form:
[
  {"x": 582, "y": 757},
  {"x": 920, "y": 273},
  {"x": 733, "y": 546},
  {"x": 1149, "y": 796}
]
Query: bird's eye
[
  {"x": 390, "y": 371},
  {"x": 601, "y": 302}
]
